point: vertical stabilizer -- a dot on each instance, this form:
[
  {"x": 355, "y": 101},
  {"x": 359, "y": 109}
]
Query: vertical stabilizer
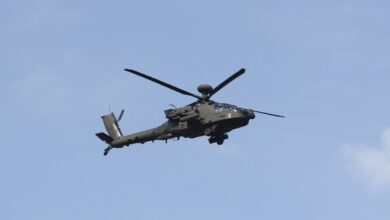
[{"x": 112, "y": 126}]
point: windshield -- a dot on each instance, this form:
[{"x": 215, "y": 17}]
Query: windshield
[{"x": 219, "y": 107}]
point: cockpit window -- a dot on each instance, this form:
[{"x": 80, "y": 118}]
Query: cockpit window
[{"x": 219, "y": 107}]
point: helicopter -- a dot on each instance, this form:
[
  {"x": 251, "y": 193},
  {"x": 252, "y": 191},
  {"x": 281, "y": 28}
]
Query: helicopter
[{"x": 204, "y": 117}]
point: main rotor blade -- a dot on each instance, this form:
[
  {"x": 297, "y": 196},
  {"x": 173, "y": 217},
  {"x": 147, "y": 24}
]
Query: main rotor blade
[
  {"x": 162, "y": 83},
  {"x": 227, "y": 81},
  {"x": 266, "y": 113}
]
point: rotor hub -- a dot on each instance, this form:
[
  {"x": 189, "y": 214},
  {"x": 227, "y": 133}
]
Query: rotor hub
[{"x": 205, "y": 89}]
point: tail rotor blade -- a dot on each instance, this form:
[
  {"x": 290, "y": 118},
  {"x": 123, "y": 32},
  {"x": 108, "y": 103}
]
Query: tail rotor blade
[{"x": 121, "y": 115}]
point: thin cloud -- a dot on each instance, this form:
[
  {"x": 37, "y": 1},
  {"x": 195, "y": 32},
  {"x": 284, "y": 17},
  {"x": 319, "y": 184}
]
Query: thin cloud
[
  {"x": 47, "y": 92},
  {"x": 41, "y": 92},
  {"x": 371, "y": 163},
  {"x": 44, "y": 12}
]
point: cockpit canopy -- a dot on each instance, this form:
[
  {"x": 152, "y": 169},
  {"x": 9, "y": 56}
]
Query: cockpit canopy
[{"x": 219, "y": 107}]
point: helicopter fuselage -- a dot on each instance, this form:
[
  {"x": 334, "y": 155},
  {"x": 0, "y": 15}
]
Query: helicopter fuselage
[{"x": 191, "y": 121}]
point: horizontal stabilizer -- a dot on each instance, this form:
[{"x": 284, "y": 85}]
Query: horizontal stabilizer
[{"x": 104, "y": 137}]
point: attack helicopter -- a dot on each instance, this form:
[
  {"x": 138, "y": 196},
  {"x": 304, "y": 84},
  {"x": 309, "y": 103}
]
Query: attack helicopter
[{"x": 204, "y": 117}]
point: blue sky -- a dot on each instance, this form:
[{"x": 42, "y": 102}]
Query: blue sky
[{"x": 323, "y": 64}]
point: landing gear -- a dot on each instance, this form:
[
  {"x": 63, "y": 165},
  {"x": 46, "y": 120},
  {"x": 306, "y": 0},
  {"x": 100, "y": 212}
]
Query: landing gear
[
  {"x": 107, "y": 150},
  {"x": 219, "y": 139}
]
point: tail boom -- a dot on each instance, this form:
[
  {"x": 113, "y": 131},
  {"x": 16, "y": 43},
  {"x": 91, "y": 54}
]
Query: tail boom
[{"x": 115, "y": 138}]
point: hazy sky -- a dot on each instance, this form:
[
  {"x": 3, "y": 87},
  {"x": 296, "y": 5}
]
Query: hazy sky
[{"x": 324, "y": 64}]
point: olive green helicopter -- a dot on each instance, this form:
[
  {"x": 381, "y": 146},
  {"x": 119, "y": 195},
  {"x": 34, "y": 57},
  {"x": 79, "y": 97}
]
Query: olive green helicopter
[{"x": 204, "y": 117}]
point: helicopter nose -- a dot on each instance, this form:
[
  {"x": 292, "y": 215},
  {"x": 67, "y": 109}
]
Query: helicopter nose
[{"x": 248, "y": 113}]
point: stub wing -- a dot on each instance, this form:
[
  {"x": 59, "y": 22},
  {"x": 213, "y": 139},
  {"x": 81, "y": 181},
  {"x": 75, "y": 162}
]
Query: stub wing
[{"x": 104, "y": 137}]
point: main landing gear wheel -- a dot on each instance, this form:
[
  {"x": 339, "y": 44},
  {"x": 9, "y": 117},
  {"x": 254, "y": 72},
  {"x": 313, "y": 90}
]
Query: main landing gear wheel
[{"x": 219, "y": 139}]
